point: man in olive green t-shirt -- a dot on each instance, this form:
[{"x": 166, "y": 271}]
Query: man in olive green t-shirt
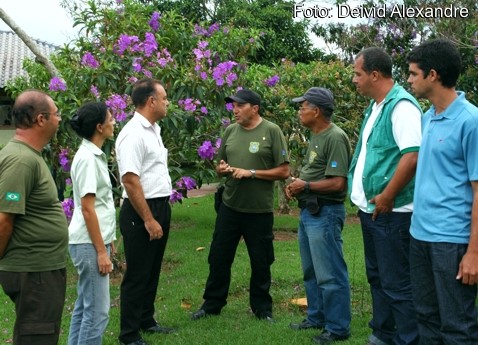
[
  {"x": 321, "y": 190},
  {"x": 253, "y": 154},
  {"x": 33, "y": 226}
]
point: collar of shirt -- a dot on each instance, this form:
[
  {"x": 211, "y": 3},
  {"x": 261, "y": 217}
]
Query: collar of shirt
[{"x": 92, "y": 147}]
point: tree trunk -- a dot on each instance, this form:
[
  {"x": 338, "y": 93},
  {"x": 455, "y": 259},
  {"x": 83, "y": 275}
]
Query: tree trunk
[
  {"x": 284, "y": 207},
  {"x": 45, "y": 61}
]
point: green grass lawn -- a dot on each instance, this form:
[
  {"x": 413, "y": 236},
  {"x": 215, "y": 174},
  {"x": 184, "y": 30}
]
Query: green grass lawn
[{"x": 184, "y": 274}]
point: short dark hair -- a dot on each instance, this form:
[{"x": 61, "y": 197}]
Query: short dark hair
[
  {"x": 87, "y": 117},
  {"x": 142, "y": 90},
  {"x": 27, "y": 105},
  {"x": 440, "y": 55},
  {"x": 327, "y": 112},
  {"x": 376, "y": 59}
]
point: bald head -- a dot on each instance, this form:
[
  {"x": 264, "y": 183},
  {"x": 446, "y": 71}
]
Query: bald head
[{"x": 28, "y": 105}]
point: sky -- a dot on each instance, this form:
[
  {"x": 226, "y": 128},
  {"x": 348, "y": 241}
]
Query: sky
[
  {"x": 40, "y": 19},
  {"x": 47, "y": 21}
]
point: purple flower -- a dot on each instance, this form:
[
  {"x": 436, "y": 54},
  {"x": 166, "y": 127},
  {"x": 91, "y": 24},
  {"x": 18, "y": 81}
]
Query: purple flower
[
  {"x": 154, "y": 21},
  {"x": 231, "y": 77},
  {"x": 203, "y": 75},
  {"x": 137, "y": 64},
  {"x": 63, "y": 160},
  {"x": 68, "y": 206},
  {"x": 204, "y": 110},
  {"x": 272, "y": 81},
  {"x": 149, "y": 45},
  {"x": 187, "y": 183},
  {"x": 117, "y": 105},
  {"x": 229, "y": 107},
  {"x": 223, "y": 71},
  {"x": 199, "y": 31},
  {"x": 94, "y": 91},
  {"x": 89, "y": 60},
  {"x": 68, "y": 181},
  {"x": 56, "y": 84},
  {"x": 202, "y": 44},
  {"x": 189, "y": 104},
  {"x": 212, "y": 29},
  {"x": 225, "y": 121},
  {"x": 126, "y": 42},
  {"x": 175, "y": 196},
  {"x": 218, "y": 143},
  {"x": 147, "y": 73},
  {"x": 164, "y": 57},
  {"x": 206, "y": 150}
]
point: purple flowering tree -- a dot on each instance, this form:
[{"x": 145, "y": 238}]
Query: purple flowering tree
[
  {"x": 192, "y": 61},
  {"x": 198, "y": 64}
]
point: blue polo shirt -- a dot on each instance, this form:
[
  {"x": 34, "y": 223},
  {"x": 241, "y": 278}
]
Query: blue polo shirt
[{"x": 447, "y": 162}]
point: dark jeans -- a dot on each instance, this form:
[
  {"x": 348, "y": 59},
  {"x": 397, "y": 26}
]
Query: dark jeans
[
  {"x": 256, "y": 228},
  {"x": 39, "y": 298},
  {"x": 143, "y": 267},
  {"x": 445, "y": 307},
  {"x": 386, "y": 245}
]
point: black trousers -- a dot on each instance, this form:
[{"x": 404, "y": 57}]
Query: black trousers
[
  {"x": 256, "y": 229},
  {"x": 39, "y": 298},
  {"x": 143, "y": 267}
]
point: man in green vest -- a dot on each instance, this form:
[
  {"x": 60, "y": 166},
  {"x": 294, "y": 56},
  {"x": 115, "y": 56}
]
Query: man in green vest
[{"x": 381, "y": 185}]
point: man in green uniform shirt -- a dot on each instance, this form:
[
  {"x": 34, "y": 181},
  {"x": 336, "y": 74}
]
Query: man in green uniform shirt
[
  {"x": 321, "y": 190},
  {"x": 253, "y": 154},
  {"x": 33, "y": 227}
]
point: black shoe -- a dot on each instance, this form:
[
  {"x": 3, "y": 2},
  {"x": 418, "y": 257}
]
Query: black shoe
[
  {"x": 266, "y": 317},
  {"x": 136, "y": 342},
  {"x": 199, "y": 314},
  {"x": 328, "y": 338},
  {"x": 305, "y": 324},
  {"x": 160, "y": 329}
]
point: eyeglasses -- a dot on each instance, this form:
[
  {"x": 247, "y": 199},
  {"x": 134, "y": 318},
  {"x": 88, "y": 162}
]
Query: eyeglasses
[{"x": 57, "y": 114}]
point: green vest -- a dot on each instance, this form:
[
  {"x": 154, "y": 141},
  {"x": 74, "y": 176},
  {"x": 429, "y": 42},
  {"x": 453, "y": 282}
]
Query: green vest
[{"x": 383, "y": 154}]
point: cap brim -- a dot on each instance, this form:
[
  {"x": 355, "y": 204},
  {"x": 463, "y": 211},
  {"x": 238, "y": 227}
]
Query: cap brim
[
  {"x": 298, "y": 99},
  {"x": 231, "y": 99}
]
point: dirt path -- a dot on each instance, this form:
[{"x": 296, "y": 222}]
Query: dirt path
[{"x": 204, "y": 190}]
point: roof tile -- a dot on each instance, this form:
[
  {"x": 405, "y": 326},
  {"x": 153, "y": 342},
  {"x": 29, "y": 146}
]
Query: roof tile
[{"x": 12, "y": 53}]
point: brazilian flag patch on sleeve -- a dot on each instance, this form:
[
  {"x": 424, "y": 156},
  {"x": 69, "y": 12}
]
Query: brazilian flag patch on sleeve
[{"x": 10, "y": 196}]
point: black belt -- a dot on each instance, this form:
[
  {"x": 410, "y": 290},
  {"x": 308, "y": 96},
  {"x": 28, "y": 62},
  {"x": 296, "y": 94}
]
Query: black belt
[
  {"x": 321, "y": 202},
  {"x": 160, "y": 199}
]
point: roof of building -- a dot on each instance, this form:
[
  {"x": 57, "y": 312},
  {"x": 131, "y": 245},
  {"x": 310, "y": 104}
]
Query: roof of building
[{"x": 12, "y": 53}]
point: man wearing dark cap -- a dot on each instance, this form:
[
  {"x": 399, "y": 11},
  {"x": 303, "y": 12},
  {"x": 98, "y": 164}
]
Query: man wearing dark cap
[
  {"x": 253, "y": 154},
  {"x": 381, "y": 184},
  {"x": 321, "y": 190}
]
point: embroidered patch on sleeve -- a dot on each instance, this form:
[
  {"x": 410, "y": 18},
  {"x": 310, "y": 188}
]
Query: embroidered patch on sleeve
[
  {"x": 333, "y": 164},
  {"x": 10, "y": 196}
]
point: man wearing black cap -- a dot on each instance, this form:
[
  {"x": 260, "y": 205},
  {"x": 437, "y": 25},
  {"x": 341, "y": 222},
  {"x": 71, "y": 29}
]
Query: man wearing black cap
[
  {"x": 321, "y": 190},
  {"x": 253, "y": 154}
]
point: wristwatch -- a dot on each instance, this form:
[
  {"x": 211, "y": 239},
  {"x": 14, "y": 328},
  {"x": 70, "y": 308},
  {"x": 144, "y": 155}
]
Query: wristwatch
[
  {"x": 307, "y": 187},
  {"x": 253, "y": 173}
]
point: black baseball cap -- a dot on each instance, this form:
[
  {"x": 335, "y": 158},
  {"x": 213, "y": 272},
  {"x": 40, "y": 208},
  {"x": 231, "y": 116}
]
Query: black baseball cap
[
  {"x": 245, "y": 96},
  {"x": 318, "y": 96}
]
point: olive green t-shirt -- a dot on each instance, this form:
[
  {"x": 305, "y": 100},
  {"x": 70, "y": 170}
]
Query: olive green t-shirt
[
  {"x": 328, "y": 155},
  {"x": 39, "y": 240},
  {"x": 261, "y": 148}
]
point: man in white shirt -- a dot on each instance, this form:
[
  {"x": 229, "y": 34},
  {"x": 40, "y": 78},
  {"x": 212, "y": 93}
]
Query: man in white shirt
[
  {"x": 381, "y": 184},
  {"x": 145, "y": 214}
]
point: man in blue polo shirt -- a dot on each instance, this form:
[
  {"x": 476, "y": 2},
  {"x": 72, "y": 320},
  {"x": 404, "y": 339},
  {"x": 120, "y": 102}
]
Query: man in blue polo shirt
[{"x": 444, "y": 243}]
